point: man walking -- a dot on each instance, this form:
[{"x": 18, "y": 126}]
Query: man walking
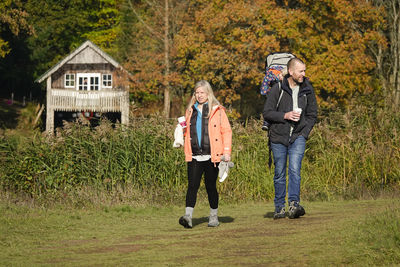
[{"x": 291, "y": 108}]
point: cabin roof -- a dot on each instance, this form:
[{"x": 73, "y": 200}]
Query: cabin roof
[{"x": 79, "y": 55}]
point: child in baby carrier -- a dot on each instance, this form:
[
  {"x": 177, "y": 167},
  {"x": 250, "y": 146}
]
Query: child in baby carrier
[{"x": 273, "y": 75}]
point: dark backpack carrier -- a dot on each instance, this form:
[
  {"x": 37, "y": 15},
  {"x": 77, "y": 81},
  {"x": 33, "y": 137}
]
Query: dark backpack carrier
[{"x": 274, "y": 64}]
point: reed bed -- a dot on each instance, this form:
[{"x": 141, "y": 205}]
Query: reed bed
[{"x": 351, "y": 154}]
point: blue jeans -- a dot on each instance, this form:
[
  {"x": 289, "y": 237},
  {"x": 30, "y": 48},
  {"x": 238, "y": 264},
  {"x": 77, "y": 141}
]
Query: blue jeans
[{"x": 295, "y": 151}]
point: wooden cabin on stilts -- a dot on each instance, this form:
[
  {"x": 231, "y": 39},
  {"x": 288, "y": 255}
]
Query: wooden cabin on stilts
[{"x": 88, "y": 83}]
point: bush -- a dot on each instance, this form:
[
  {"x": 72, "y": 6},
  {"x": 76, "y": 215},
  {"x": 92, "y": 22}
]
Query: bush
[{"x": 349, "y": 154}]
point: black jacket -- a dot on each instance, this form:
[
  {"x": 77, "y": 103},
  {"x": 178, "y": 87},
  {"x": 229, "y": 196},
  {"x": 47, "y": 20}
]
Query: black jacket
[
  {"x": 205, "y": 140},
  {"x": 280, "y": 128}
]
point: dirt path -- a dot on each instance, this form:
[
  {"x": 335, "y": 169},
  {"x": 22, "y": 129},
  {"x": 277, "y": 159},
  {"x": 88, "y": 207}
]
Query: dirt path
[{"x": 152, "y": 236}]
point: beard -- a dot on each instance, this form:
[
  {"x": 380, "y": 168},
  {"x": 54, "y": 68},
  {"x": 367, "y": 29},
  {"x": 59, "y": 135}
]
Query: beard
[{"x": 299, "y": 80}]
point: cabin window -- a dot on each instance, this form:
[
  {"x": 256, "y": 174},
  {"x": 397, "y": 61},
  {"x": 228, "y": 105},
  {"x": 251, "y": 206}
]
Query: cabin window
[
  {"x": 88, "y": 81},
  {"x": 94, "y": 83},
  {"x": 107, "y": 80},
  {"x": 69, "y": 80}
]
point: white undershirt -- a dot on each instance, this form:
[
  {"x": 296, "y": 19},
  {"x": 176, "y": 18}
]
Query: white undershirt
[
  {"x": 202, "y": 157},
  {"x": 295, "y": 97}
]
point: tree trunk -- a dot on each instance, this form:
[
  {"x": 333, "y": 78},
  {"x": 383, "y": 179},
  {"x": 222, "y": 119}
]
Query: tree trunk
[
  {"x": 167, "y": 101},
  {"x": 396, "y": 50},
  {"x": 390, "y": 64},
  {"x": 394, "y": 31}
]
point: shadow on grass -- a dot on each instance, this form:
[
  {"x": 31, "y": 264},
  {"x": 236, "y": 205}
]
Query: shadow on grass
[
  {"x": 269, "y": 215},
  {"x": 8, "y": 114},
  {"x": 223, "y": 219}
]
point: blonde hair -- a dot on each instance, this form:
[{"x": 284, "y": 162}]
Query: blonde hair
[
  {"x": 212, "y": 101},
  {"x": 284, "y": 71}
]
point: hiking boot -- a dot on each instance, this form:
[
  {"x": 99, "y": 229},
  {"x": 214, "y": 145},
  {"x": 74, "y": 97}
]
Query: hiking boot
[
  {"x": 280, "y": 214},
  {"x": 186, "y": 221},
  {"x": 213, "y": 221},
  {"x": 295, "y": 210}
]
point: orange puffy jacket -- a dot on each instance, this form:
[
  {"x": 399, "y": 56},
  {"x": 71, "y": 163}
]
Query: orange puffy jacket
[{"x": 219, "y": 132}]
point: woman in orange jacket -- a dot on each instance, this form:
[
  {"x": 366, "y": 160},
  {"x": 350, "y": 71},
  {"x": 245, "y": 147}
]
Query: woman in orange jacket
[{"x": 208, "y": 137}]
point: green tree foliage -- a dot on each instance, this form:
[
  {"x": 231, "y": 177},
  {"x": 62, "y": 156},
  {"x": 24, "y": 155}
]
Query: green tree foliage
[
  {"x": 104, "y": 24},
  {"x": 36, "y": 34},
  {"x": 14, "y": 29},
  {"x": 62, "y": 26},
  {"x": 13, "y": 20}
]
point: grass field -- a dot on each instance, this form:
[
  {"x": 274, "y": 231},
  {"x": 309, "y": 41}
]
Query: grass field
[{"x": 357, "y": 233}]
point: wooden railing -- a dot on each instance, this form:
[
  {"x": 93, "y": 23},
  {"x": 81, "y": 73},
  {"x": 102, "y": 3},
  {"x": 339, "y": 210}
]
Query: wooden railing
[{"x": 102, "y": 101}]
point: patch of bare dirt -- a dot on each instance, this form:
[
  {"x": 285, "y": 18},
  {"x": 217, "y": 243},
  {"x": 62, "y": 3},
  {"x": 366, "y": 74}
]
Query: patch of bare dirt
[{"x": 119, "y": 248}]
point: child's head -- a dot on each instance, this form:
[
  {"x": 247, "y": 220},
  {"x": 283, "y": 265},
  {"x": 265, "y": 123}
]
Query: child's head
[{"x": 282, "y": 74}]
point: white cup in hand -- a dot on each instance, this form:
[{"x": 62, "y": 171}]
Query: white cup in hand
[{"x": 298, "y": 110}]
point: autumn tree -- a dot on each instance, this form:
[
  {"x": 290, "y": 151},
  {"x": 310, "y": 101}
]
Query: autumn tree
[
  {"x": 228, "y": 40},
  {"x": 152, "y": 28},
  {"x": 336, "y": 50},
  {"x": 226, "y": 43}
]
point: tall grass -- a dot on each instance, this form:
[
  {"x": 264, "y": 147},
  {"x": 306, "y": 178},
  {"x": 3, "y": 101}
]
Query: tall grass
[
  {"x": 352, "y": 155},
  {"x": 103, "y": 158}
]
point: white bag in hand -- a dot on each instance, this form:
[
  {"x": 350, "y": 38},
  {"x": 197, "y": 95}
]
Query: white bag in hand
[{"x": 178, "y": 135}]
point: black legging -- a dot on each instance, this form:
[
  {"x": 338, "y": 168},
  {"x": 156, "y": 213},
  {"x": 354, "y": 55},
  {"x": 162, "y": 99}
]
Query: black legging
[{"x": 195, "y": 172}]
